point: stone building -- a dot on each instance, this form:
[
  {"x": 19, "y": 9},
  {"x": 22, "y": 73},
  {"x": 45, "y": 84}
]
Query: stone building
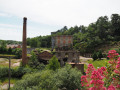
[
  {"x": 64, "y": 51},
  {"x": 62, "y": 42}
]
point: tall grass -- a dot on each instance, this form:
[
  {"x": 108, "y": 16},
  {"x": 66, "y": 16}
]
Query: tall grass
[{"x": 98, "y": 63}]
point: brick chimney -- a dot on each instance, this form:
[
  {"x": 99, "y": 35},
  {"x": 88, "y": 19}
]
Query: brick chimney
[{"x": 24, "y": 43}]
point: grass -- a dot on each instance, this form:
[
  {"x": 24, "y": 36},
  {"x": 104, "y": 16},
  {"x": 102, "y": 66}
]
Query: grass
[
  {"x": 5, "y": 62},
  {"x": 28, "y": 55},
  {"x": 98, "y": 63},
  {"x": 6, "y": 55},
  {"x": 45, "y": 49},
  {"x": 5, "y": 80},
  {"x": 85, "y": 67}
]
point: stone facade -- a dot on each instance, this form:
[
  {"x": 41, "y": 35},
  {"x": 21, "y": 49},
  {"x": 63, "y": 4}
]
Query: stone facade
[
  {"x": 61, "y": 41},
  {"x": 67, "y": 56}
]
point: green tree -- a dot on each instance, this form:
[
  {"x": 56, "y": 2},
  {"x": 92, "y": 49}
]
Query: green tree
[
  {"x": 94, "y": 56},
  {"x": 33, "y": 61},
  {"x": 53, "y": 64},
  {"x": 3, "y": 49},
  {"x": 102, "y": 26},
  {"x": 100, "y": 55},
  {"x": 10, "y": 50},
  {"x": 18, "y": 53},
  {"x": 115, "y": 25}
]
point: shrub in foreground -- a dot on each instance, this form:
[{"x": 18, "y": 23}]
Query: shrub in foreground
[
  {"x": 66, "y": 77},
  {"x": 53, "y": 64},
  {"x": 37, "y": 81}
]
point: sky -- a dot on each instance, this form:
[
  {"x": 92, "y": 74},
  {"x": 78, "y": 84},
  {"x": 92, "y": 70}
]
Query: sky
[{"x": 46, "y": 16}]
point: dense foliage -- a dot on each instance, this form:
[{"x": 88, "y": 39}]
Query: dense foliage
[
  {"x": 66, "y": 77},
  {"x": 86, "y": 39},
  {"x": 53, "y": 64},
  {"x": 97, "y": 55},
  {"x": 10, "y": 42},
  {"x": 15, "y": 72},
  {"x": 40, "y": 41},
  {"x": 34, "y": 62}
]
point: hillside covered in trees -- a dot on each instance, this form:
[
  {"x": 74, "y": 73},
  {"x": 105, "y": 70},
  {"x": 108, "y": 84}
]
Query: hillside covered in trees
[
  {"x": 86, "y": 39},
  {"x": 10, "y": 42}
]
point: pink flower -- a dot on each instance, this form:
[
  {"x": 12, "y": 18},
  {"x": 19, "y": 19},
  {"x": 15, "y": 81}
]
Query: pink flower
[
  {"x": 118, "y": 86},
  {"x": 97, "y": 81},
  {"x": 111, "y": 87},
  {"x": 119, "y": 59},
  {"x": 96, "y": 75},
  {"x": 103, "y": 68},
  {"x": 94, "y": 88},
  {"x": 118, "y": 64},
  {"x": 90, "y": 68},
  {"x": 84, "y": 81},
  {"x": 112, "y": 54}
]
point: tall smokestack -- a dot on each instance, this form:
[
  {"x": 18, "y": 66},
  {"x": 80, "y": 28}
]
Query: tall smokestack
[{"x": 24, "y": 43}]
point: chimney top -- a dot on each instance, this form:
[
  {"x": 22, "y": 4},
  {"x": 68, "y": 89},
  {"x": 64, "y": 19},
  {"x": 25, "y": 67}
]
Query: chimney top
[{"x": 25, "y": 18}]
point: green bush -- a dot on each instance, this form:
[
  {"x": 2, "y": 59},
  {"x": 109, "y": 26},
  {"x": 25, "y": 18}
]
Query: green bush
[
  {"x": 18, "y": 53},
  {"x": 100, "y": 55},
  {"x": 66, "y": 77},
  {"x": 19, "y": 72},
  {"x": 3, "y": 72},
  {"x": 94, "y": 56},
  {"x": 53, "y": 64},
  {"x": 15, "y": 73},
  {"x": 33, "y": 61},
  {"x": 36, "y": 81}
]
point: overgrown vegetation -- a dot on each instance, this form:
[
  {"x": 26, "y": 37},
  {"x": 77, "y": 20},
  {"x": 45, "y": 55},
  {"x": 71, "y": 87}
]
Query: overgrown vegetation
[
  {"x": 53, "y": 64},
  {"x": 15, "y": 72},
  {"x": 66, "y": 77},
  {"x": 34, "y": 63},
  {"x": 86, "y": 39}
]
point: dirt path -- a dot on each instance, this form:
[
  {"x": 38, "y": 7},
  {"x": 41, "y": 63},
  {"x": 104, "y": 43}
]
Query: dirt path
[
  {"x": 16, "y": 64},
  {"x": 84, "y": 59},
  {"x": 5, "y": 86}
]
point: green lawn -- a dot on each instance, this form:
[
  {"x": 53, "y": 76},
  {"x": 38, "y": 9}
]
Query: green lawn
[
  {"x": 5, "y": 80},
  {"x": 4, "y": 62},
  {"x": 98, "y": 63},
  {"x": 6, "y": 55}
]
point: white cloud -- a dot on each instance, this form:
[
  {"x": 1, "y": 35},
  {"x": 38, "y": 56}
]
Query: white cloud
[{"x": 61, "y": 12}]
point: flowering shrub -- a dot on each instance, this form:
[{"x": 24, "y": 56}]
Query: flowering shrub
[{"x": 104, "y": 78}]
